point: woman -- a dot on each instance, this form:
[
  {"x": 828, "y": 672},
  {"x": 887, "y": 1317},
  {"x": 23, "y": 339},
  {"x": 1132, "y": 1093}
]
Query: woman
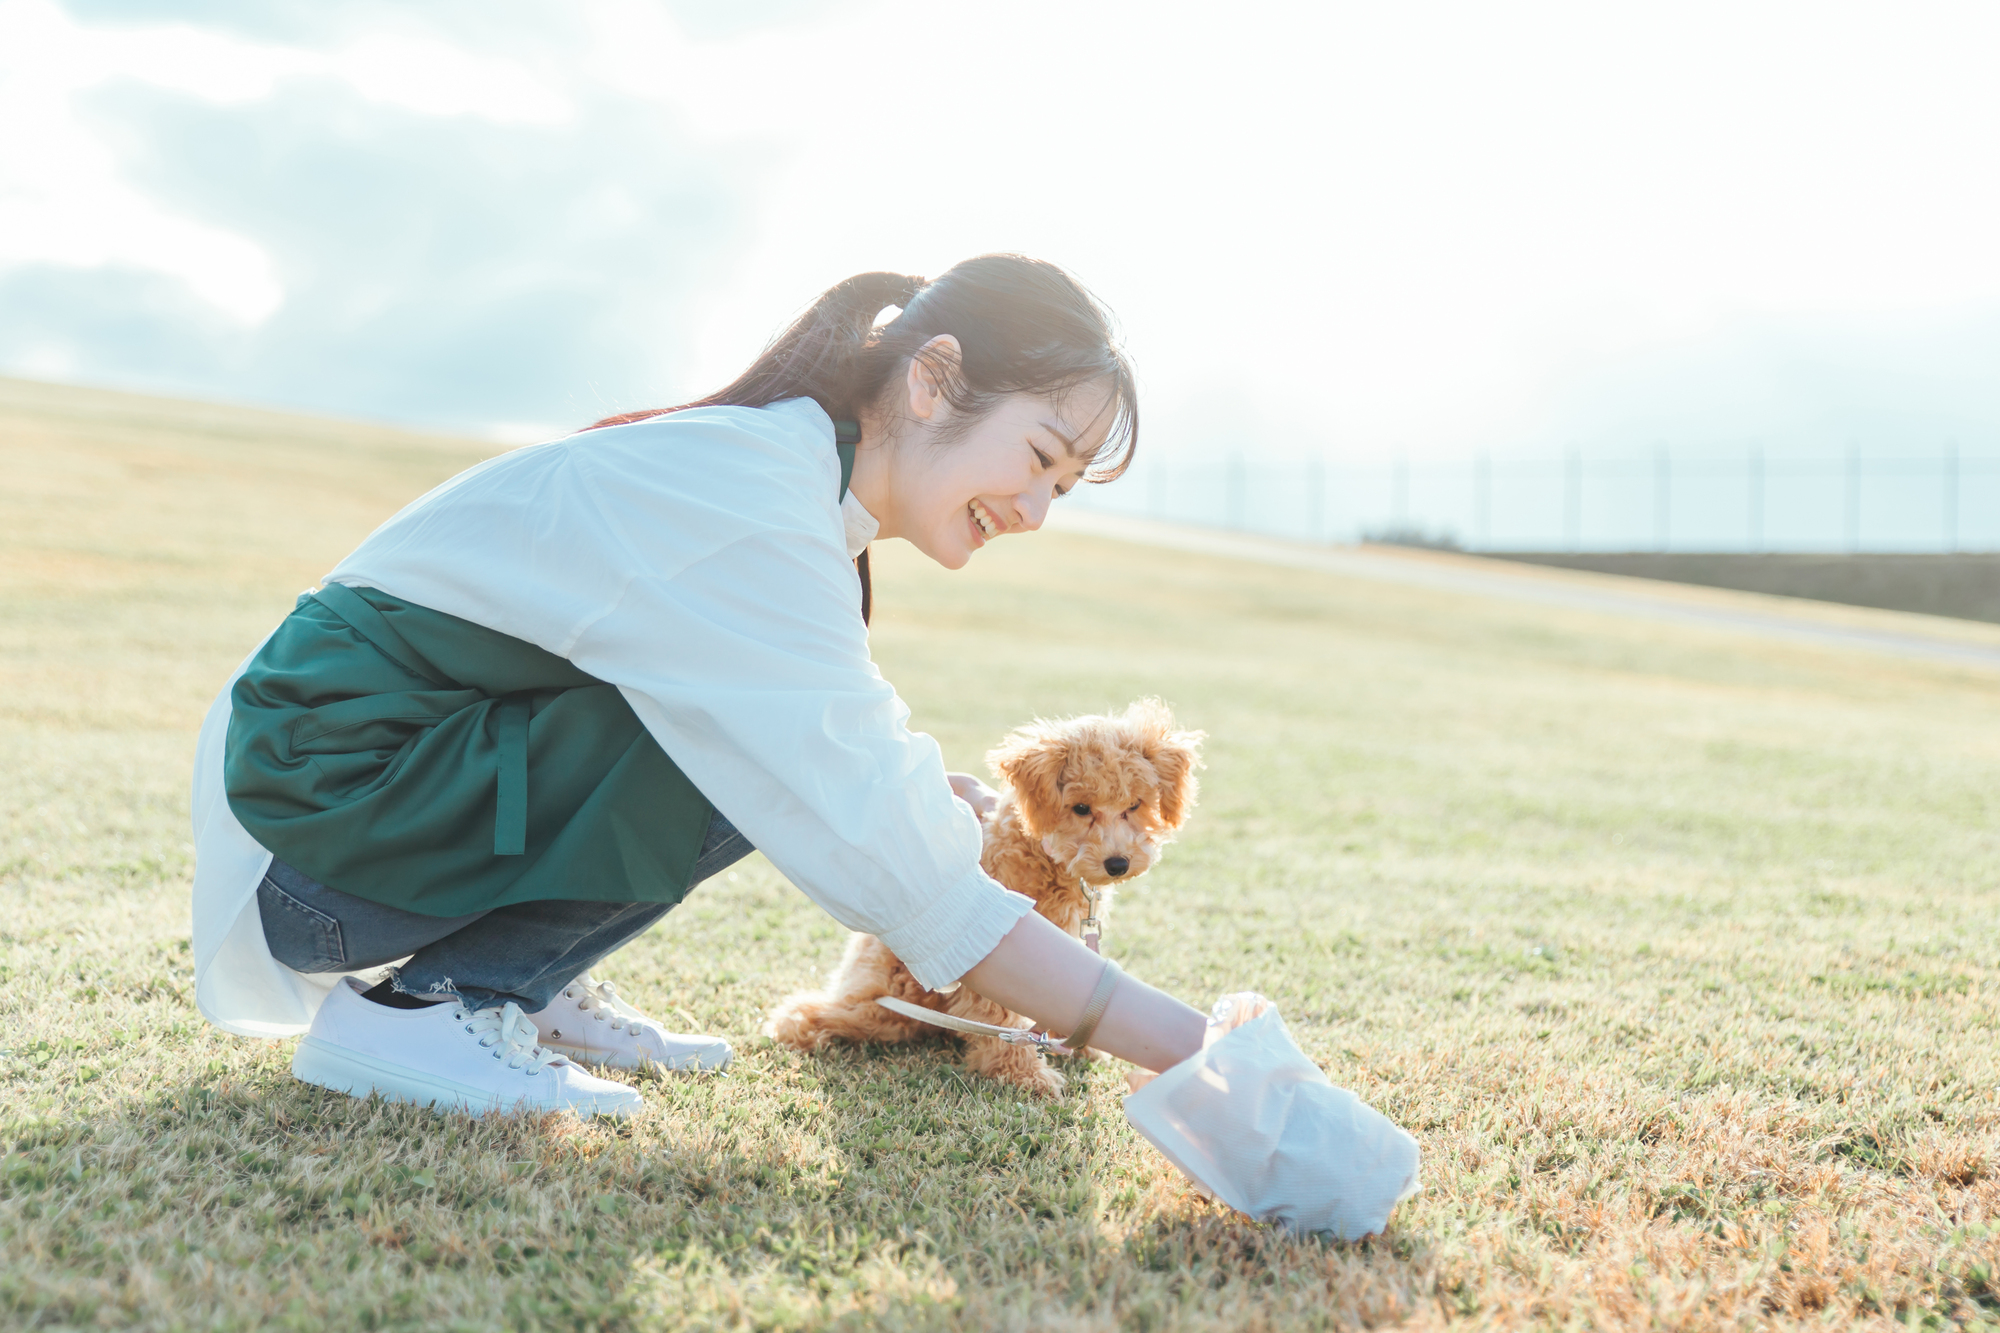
[{"x": 533, "y": 709}]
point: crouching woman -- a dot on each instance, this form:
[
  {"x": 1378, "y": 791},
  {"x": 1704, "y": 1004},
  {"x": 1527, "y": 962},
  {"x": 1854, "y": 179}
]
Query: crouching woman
[{"x": 523, "y": 718}]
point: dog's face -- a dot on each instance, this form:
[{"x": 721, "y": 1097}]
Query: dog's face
[{"x": 1104, "y": 794}]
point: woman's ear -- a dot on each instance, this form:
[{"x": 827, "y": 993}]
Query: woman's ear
[
  {"x": 1031, "y": 761},
  {"x": 934, "y": 363}
]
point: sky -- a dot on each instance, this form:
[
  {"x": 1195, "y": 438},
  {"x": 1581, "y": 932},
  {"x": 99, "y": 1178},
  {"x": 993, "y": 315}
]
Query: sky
[{"x": 1363, "y": 230}]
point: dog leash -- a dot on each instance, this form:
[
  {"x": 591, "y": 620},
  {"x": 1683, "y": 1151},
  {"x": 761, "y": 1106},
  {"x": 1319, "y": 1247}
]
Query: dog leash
[
  {"x": 1092, "y": 927},
  {"x": 1073, "y": 1044}
]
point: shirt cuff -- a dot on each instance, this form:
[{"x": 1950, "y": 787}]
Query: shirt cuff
[{"x": 962, "y": 926}]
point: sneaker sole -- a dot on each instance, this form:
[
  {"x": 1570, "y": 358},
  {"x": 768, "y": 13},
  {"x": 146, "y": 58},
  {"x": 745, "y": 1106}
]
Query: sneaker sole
[
  {"x": 692, "y": 1063},
  {"x": 342, "y": 1070}
]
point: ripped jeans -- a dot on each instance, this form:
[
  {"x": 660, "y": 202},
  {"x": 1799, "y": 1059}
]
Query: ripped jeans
[{"x": 524, "y": 952}]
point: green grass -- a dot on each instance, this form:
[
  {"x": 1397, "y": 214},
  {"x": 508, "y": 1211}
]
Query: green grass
[{"x": 1676, "y": 950}]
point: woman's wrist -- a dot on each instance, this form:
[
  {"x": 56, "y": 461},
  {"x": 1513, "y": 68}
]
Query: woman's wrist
[{"x": 1042, "y": 972}]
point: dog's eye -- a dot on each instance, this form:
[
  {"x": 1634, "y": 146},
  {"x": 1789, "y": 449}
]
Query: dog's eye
[
  {"x": 1083, "y": 810},
  {"x": 1135, "y": 807}
]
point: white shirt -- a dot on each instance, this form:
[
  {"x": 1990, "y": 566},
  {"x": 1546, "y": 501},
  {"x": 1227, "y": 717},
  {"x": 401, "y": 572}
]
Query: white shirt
[{"x": 701, "y": 562}]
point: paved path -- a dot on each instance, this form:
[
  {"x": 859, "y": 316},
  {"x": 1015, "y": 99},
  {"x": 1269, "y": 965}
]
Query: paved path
[{"x": 1607, "y": 594}]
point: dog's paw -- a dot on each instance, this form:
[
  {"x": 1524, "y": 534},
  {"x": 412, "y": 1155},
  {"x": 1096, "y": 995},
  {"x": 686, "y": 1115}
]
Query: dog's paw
[
  {"x": 796, "y": 1023},
  {"x": 1018, "y": 1065},
  {"x": 1044, "y": 1082},
  {"x": 1030, "y": 1075}
]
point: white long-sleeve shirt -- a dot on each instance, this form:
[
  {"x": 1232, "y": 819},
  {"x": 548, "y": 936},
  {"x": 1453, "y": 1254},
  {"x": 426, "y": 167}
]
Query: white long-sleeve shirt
[{"x": 701, "y": 562}]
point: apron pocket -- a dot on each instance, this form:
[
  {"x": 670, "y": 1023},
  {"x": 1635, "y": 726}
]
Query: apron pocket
[{"x": 376, "y": 721}]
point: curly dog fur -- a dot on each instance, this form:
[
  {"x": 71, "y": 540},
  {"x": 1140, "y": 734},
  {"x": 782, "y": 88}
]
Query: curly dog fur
[{"x": 1088, "y": 801}]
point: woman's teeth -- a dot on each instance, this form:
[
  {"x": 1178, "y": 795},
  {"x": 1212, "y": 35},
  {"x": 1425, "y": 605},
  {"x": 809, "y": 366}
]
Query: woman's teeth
[{"x": 984, "y": 520}]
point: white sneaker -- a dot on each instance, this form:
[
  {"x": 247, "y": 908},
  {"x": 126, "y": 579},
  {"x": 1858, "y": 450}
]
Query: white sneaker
[
  {"x": 588, "y": 1022},
  {"x": 447, "y": 1055}
]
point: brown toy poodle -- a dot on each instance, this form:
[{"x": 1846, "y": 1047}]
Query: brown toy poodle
[{"x": 1088, "y": 803}]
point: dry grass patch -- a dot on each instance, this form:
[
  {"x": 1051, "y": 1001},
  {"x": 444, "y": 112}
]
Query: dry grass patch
[{"x": 1677, "y": 951}]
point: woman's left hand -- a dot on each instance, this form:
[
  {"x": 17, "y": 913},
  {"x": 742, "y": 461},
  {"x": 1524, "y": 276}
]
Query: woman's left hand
[{"x": 974, "y": 793}]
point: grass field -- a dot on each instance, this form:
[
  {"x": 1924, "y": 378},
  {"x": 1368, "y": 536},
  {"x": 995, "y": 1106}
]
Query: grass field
[{"x": 1677, "y": 951}]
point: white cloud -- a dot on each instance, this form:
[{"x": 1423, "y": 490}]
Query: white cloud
[
  {"x": 67, "y": 202},
  {"x": 431, "y": 76}
]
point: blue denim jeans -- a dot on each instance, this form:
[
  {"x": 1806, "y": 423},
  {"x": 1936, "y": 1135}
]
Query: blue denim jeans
[{"x": 524, "y": 952}]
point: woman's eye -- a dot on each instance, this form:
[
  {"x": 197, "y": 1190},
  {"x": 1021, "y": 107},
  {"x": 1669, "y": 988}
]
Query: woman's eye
[
  {"x": 1083, "y": 810},
  {"x": 1042, "y": 458},
  {"x": 1061, "y": 491}
]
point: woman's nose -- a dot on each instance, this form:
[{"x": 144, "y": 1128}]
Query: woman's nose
[{"x": 1033, "y": 509}]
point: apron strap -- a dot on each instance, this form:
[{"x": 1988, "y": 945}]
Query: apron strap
[
  {"x": 366, "y": 621},
  {"x": 846, "y": 435},
  {"x": 510, "y": 816}
]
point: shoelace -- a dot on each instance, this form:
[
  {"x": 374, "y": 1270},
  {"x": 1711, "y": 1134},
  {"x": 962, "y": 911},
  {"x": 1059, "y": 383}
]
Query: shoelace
[
  {"x": 507, "y": 1032},
  {"x": 599, "y": 999}
]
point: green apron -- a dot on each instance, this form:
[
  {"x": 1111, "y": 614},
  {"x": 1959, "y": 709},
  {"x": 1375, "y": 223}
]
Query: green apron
[{"x": 424, "y": 762}]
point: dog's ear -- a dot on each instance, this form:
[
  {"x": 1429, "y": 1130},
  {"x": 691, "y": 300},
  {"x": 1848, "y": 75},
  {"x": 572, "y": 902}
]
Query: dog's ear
[
  {"x": 1030, "y": 760},
  {"x": 1176, "y": 760},
  {"x": 1174, "y": 755}
]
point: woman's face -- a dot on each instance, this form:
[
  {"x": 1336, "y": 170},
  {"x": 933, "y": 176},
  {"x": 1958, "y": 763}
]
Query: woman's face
[{"x": 998, "y": 477}]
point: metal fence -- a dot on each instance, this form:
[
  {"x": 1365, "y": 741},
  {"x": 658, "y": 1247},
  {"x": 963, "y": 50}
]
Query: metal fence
[{"x": 1658, "y": 501}]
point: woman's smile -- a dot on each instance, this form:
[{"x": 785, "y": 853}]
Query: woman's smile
[{"x": 985, "y": 521}]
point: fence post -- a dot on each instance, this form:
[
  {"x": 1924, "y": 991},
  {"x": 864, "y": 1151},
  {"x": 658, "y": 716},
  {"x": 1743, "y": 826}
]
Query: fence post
[
  {"x": 1853, "y": 496},
  {"x": 1755, "y": 469},
  {"x": 1573, "y": 498},
  {"x": 1663, "y": 497},
  {"x": 1482, "y": 498},
  {"x": 1236, "y": 486},
  {"x": 1951, "y": 496}
]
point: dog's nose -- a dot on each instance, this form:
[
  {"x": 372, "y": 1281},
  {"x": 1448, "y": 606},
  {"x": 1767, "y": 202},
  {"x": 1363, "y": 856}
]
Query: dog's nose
[{"x": 1115, "y": 866}]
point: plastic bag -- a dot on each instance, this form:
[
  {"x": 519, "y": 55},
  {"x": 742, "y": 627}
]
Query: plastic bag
[{"x": 1253, "y": 1122}]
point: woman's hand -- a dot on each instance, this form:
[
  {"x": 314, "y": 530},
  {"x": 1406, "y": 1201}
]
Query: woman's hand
[{"x": 974, "y": 793}]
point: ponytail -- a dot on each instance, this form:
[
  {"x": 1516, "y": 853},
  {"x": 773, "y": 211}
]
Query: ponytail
[{"x": 1022, "y": 325}]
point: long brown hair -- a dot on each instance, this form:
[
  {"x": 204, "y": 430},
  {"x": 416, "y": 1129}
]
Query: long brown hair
[{"x": 1022, "y": 325}]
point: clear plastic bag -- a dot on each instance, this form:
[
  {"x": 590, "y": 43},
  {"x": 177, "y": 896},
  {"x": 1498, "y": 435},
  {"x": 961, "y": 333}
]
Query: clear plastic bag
[{"x": 1253, "y": 1122}]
